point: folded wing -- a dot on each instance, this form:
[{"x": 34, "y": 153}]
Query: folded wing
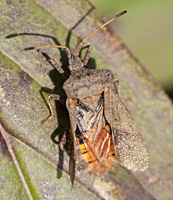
[
  {"x": 129, "y": 146},
  {"x": 94, "y": 137}
]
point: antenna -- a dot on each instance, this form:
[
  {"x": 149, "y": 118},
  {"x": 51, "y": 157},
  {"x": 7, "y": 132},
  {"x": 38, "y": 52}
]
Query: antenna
[{"x": 82, "y": 42}]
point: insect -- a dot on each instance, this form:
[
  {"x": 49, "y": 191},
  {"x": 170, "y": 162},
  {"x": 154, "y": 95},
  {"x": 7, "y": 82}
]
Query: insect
[{"x": 101, "y": 128}]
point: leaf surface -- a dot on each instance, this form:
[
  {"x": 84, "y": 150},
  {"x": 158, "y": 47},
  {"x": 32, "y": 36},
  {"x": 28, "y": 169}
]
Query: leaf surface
[{"x": 23, "y": 74}]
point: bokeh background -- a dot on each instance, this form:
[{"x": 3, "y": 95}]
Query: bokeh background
[{"x": 147, "y": 30}]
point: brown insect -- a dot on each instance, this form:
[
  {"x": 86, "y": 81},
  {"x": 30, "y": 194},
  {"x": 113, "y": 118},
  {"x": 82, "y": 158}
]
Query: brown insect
[{"x": 101, "y": 127}]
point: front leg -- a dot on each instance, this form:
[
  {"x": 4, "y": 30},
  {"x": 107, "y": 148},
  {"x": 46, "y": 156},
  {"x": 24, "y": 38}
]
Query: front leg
[
  {"x": 52, "y": 114},
  {"x": 52, "y": 62},
  {"x": 87, "y": 55}
]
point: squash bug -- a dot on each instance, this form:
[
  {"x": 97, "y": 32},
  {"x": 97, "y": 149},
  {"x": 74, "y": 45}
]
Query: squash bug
[{"x": 101, "y": 128}]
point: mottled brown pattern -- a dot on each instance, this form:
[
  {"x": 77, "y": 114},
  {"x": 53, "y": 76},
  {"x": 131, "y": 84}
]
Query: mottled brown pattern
[
  {"x": 103, "y": 127},
  {"x": 83, "y": 82},
  {"x": 130, "y": 149},
  {"x": 92, "y": 101}
]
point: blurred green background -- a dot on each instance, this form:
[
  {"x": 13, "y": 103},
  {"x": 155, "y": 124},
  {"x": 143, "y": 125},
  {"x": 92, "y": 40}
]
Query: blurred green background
[{"x": 147, "y": 30}]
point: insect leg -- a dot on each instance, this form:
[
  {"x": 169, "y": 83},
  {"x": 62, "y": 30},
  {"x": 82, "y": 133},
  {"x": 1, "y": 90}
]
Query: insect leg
[
  {"x": 66, "y": 49},
  {"x": 51, "y": 61},
  {"x": 78, "y": 49},
  {"x": 87, "y": 55},
  {"x": 117, "y": 84},
  {"x": 62, "y": 143},
  {"x": 54, "y": 97},
  {"x": 65, "y": 138}
]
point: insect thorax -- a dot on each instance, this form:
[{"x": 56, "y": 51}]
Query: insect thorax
[
  {"x": 76, "y": 63},
  {"x": 84, "y": 82}
]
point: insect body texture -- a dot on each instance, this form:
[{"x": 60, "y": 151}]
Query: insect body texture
[
  {"x": 101, "y": 128},
  {"x": 104, "y": 129}
]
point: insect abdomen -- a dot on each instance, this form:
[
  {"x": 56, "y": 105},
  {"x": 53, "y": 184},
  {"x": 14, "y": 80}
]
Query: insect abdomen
[{"x": 97, "y": 165}]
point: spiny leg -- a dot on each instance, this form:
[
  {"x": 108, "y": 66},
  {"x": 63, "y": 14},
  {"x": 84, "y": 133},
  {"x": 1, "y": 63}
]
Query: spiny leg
[
  {"x": 78, "y": 49},
  {"x": 117, "y": 84},
  {"x": 51, "y": 61},
  {"x": 64, "y": 139},
  {"x": 87, "y": 55},
  {"x": 66, "y": 49},
  {"x": 52, "y": 114}
]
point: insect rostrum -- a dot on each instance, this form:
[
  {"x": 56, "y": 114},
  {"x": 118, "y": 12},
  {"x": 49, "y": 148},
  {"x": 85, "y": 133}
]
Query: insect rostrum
[{"x": 102, "y": 130}]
